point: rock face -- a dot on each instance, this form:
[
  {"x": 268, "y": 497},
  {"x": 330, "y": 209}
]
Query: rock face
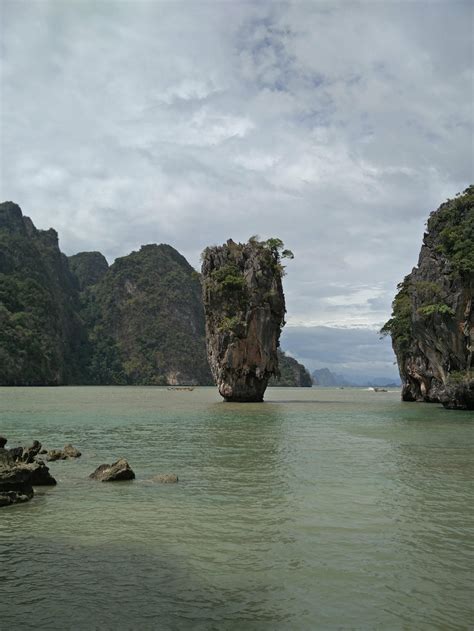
[
  {"x": 41, "y": 334},
  {"x": 115, "y": 472},
  {"x": 432, "y": 324},
  {"x": 145, "y": 318},
  {"x": 245, "y": 309}
]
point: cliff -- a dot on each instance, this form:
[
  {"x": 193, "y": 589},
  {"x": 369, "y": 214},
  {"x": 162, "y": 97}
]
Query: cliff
[
  {"x": 245, "y": 309},
  {"x": 292, "y": 373},
  {"x": 145, "y": 318},
  {"x": 42, "y": 339},
  {"x": 432, "y": 324}
]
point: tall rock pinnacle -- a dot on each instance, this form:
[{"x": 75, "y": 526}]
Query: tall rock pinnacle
[{"x": 245, "y": 309}]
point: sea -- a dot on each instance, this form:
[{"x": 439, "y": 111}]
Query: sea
[{"x": 318, "y": 509}]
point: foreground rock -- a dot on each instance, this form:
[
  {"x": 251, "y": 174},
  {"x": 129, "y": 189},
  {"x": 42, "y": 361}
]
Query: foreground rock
[
  {"x": 114, "y": 472},
  {"x": 245, "y": 309},
  {"x": 432, "y": 324},
  {"x": 17, "y": 479}
]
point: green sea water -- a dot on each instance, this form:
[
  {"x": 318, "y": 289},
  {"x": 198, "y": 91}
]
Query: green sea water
[{"x": 318, "y": 509}]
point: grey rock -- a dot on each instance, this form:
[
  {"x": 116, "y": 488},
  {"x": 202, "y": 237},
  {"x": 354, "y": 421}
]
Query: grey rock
[
  {"x": 245, "y": 309},
  {"x": 3, "y": 442},
  {"x": 55, "y": 454},
  {"x": 166, "y": 478},
  {"x": 115, "y": 472},
  {"x": 71, "y": 452}
]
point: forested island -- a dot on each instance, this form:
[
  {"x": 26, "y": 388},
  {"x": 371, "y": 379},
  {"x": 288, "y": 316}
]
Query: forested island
[
  {"x": 77, "y": 320},
  {"x": 432, "y": 324}
]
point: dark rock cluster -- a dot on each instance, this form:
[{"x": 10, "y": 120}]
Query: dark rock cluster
[{"x": 20, "y": 471}]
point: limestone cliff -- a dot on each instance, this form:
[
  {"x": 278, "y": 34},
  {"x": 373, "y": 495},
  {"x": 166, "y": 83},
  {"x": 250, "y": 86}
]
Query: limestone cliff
[
  {"x": 145, "y": 318},
  {"x": 42, "y": 339},
  {"x": 432, "y": 324},
  {"x": 245, "y": 309}
]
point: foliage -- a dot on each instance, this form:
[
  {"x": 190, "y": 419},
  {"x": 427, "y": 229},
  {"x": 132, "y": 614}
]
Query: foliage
[
  {"x": 440, "y": 308},
  {"x": 453, "y": 228},
  {"x": 399, "y": 326}
]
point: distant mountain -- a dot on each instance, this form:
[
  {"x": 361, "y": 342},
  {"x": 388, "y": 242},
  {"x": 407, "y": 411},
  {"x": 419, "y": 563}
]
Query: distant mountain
[
  {"x": 324, "y": 377},
  {"x": 292, "y": 373}
]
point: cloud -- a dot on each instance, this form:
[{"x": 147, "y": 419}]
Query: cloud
[{"x": 335, "y": 126}]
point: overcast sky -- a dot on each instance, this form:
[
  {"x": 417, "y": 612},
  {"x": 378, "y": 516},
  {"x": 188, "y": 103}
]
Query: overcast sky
[{"x": 337, "y": 127}]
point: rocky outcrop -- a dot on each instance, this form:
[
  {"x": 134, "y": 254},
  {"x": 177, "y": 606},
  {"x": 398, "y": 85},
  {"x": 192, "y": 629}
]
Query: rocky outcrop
[
  {"x": 432, "y": 324},
  {"x": 115, "y": 472},
  {"x": 145, "y": 319},
  {"x": 41, "y": 335},
  {"x": 18, "y": 478},
  {"x": 63, "y": 454},
  {"x": 245, "y": 308},
  {"x": 88, "y": 267}
]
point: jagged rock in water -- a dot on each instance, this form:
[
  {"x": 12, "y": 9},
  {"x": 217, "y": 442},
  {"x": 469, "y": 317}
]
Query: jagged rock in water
[
  {"x": 245, "y": 308},
  {"x": 15, "y": 480},
  {"x": 432, "y": 324},
  {"x": 115, "y": 472}
]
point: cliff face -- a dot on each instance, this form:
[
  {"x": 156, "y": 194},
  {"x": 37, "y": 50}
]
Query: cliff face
[
  {"x": 42, "y": 340},
  {"x": 145, "y": 319},
  {"x": 245, "y": 309},
  {"x": 432, "y": 324},
  {"x": 88, "y": 267},
  {"x": 292, "y": 373}
]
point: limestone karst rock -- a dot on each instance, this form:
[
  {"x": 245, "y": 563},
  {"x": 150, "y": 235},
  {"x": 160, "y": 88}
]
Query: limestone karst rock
[
  {"x": 245, "y": 309},
  {"x": 432, "y": 324}
]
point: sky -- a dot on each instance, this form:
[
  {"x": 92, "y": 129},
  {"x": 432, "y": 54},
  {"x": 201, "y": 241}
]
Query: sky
[{"x": 335, "y": 126}]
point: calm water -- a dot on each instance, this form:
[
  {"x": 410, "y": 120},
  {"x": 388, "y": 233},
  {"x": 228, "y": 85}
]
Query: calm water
[{"x": 319, "y": 509}]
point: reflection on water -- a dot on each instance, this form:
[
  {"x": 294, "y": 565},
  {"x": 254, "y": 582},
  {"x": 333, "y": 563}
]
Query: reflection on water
[{"x": 318, "y": 509}]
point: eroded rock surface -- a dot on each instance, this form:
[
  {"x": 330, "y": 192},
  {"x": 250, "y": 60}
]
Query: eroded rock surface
[
  {"x": 115, "y": 472},
  {"x": 245, "y": 308},
  {"x": 432, "y": 324}
]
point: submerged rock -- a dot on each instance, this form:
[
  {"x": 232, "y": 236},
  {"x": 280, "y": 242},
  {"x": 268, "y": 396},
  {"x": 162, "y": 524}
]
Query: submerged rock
[
  {"x": 71, "y": 452},
  {"x": 166, "y": 478},
  {"x": 245, "y": 309},
  {"x": 432, "y": 324},
  {"x": 115, "y": 472},
  {"x": 63, "y": 454}
]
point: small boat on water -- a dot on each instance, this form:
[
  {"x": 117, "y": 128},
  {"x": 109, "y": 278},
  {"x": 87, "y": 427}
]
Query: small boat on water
[{"x": 182, "y": 388}]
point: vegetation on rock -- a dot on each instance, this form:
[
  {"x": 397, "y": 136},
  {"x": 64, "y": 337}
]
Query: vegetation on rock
[
  {"x": 245, "y": 308},
  {"x": 432, "y": 319}
]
